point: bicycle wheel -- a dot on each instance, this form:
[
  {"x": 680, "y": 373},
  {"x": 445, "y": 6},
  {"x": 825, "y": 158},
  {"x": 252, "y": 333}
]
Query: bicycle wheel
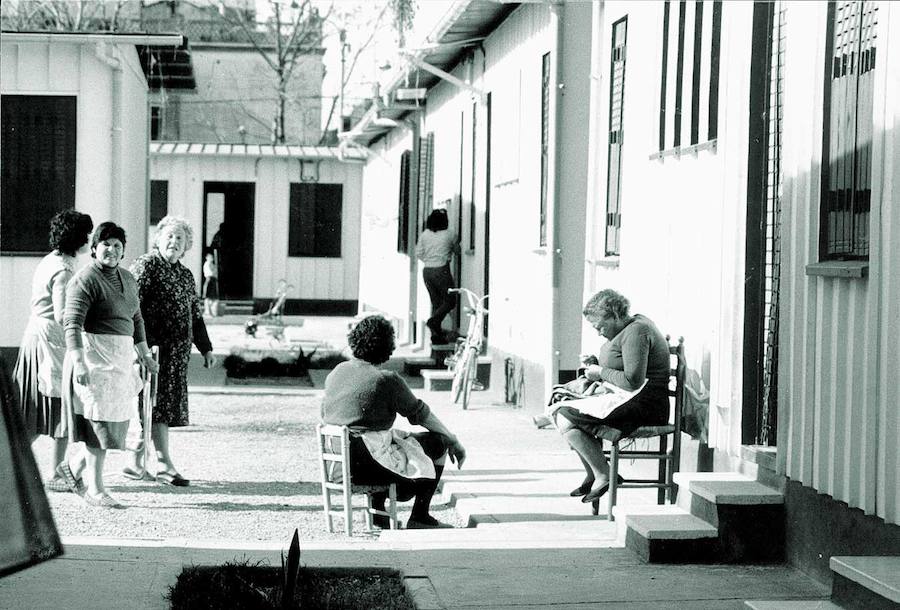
[
  {"x": 470, "y": 375},
  {"x": 460, "y": 375}
]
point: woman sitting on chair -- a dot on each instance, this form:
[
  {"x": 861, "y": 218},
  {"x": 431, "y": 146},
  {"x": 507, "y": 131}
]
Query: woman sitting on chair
[
  {"x": 367, "y": 399},
  {"x": 635, "y": 351}
]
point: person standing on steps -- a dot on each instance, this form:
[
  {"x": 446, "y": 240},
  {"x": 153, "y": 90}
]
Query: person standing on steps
[{"x": 436, "y": 247}]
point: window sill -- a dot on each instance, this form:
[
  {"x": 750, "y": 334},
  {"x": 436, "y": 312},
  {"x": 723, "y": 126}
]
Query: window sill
[
  {"x": 682, "y": 151},
  {"x": 850, "y": 269},
  {"x": 609, "y": 262},
  {"x": 469, "y": 252}
]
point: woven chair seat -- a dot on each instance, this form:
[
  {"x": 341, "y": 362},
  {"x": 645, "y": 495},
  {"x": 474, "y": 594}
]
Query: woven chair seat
[{"x": 614, "y": 434}]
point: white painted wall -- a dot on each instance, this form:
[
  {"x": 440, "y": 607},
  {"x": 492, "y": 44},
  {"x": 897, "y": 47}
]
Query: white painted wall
[
  {"x": 839, "y": 347},
  {"x": 73, "y": 69},
  {"x": 312, "y": 278}
]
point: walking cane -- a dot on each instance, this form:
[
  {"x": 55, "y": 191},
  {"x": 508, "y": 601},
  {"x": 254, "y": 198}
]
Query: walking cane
[{"x": 151, "y": 382}]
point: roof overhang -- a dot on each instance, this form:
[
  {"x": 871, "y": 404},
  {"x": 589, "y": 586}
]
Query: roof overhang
[
  {"x": 465, "y": 26},
  {"x": 165, "y": 58},
  {"x": 270, "y": 151}
]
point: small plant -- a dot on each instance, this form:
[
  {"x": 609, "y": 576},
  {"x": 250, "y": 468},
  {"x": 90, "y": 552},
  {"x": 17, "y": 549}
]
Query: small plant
[{"x": 290, "y": 572}]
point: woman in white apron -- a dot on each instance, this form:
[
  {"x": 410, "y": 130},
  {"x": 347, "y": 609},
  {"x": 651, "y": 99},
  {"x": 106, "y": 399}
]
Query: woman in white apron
[
  {"x": 104, "y": 328},
  {"x": 38, "y": 371},
  {"x": 368, "y": 399}
]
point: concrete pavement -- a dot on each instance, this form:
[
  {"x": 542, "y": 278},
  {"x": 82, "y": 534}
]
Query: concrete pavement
[{"x": 532, "y": 546}]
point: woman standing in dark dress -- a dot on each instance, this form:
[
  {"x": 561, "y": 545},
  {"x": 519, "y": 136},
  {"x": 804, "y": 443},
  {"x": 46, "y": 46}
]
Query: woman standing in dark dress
[{"x": 173, "y": 316}]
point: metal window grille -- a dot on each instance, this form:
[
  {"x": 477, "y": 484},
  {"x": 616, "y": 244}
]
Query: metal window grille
[
  {"x": 616, "y": 108},
  {"x": 847, "y": 137},
  {"x": 545, "y": 143},
  {"x": 773, "y": 228}
]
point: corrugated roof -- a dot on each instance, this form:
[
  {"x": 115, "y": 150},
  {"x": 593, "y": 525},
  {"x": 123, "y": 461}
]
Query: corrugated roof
[{"x": 348, "y": 153}]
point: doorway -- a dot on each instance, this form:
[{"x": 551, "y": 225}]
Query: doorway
[{"x": 228, "y": 214}]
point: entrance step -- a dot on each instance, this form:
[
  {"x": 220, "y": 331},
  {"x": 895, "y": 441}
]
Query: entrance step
[
  {"x": 442, "y": 379},
  {"x": 798, "y": 604},
  {"x": 236, "y": 308},
  {"x": 866, "y": 582},
  {"x": 726, "y": 518}
]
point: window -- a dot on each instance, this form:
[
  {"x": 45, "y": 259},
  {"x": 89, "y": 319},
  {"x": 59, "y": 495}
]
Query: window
[
  {"x": 847, "y": 133},
  {"x": 545, "y": 143},
  {"x": 472, "y": 194},
  {"x": 689, "y": 75},
  {"x": 426, "y": 176},
  {"x": 155, "y": 122},
  {"x": 159, "y": 200},
  {"x": 37, "y": 161},
  {"x": 314, "y": 226},
  {"x": 616, "y": 107},
  {"x": 403, "y": 205}
]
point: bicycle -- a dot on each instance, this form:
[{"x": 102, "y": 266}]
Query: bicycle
[{"x": 464, "y": 361}]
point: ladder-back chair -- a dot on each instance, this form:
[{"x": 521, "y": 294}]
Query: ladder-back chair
[
  {"x": 334, "y": 466},
  {"x": 668, "y": 456}
]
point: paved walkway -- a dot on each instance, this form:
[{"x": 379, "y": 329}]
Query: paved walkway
[{"x": 533, "y": 547}]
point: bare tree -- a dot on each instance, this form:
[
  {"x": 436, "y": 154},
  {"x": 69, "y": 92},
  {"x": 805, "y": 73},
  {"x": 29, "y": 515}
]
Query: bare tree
[{"x": 62, "y": 15}]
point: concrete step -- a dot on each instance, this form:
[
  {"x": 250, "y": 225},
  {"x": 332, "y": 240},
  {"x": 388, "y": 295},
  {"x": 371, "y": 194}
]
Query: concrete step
[
  {"x": 866, "y": 582},
  {"x": 684, "y": 480},
  {"x": 438, "y": 380},
  {"x": 671, "y": 538},
  {"x": 791, "y": 604},
  {"x": 594, "y": 533}
]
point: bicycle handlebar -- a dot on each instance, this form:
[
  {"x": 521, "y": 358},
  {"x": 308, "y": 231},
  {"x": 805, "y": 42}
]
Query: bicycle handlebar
[{"x": 476, "y": 303}]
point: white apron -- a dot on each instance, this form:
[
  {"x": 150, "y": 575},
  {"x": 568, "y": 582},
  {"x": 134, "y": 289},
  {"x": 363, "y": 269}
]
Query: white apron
[
  {"x": 599, "y": 405},
  {"x": 111, "y": 394},
  {"x": 400, "y": 453},
  {"x": 43, "y": 347}
]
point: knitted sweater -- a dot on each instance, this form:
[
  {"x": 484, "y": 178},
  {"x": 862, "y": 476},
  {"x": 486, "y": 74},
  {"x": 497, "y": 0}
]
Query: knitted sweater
[
  {"x": 102, "y": 301},
  {"x": 362, "y": 396}
]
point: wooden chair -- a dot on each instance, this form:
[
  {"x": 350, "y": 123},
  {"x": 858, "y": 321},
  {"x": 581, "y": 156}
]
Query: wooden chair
[
  {"x": 334, "y": 466},
  {"x": 668, "y": 457}
]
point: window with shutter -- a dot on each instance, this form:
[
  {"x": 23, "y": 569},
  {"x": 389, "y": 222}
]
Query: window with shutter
[
  {"x": 159, "y": 200},
  {"x": 616, "y": 107},
  {"x": 545, "y": 143},
  {"x": 37, "y": 168},
  {"x": 847, "y": 133},
  {"x": 314, "y": 224},
  {"x": 403, "y": 205}
]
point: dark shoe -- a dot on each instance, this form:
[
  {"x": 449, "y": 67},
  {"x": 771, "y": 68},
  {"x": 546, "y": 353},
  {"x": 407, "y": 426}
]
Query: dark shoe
[
  {"x": 598, "y": 493},
  {"x": 174, "y": 479},
  {"x": 426, "y": 523},
  {"x": 381, "y": 522},
  {"x": 582, "y": 489}
]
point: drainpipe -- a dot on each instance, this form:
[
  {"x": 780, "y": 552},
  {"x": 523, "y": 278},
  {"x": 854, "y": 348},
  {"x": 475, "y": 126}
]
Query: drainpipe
[
  {"x": 109, "y": 55},
  {"x": 551, "y": 372}
]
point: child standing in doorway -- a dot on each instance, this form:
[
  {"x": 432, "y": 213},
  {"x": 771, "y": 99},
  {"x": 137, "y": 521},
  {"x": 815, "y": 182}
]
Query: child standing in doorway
[{"x": 210, "y": 286}]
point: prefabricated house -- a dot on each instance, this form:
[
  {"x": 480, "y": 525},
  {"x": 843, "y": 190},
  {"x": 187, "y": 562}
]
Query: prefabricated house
[
  {"x": 727, "y": 166},
  {"x": 286, "y": 212},
  {"x": 75, "y": 134}
]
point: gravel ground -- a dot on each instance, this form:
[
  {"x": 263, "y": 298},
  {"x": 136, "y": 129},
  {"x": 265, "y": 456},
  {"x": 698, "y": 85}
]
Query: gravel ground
[{"x": 253, "y": 465}]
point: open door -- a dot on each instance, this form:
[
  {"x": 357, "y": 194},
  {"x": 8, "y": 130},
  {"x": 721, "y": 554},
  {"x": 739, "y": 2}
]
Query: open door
[{"x": 228, "y": 213}]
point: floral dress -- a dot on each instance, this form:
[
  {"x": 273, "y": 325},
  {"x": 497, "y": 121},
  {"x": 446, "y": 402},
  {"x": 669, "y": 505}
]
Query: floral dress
[{"x": 173, "y": 317}]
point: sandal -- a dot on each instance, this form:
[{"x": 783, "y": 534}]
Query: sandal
[
  {"x": 76, "y": 486},
  {"x": 172, "y": 478},
  {"x": 102, "y": 500},
  {"x": 135, "y": 475}
]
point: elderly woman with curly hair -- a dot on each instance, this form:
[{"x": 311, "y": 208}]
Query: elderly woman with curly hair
[
  {"x": 38, "y": 371},
  {"x": 368, "y": 399},
  {"x": 173, "y": 316},
  {"x": 635, "y": 352}
]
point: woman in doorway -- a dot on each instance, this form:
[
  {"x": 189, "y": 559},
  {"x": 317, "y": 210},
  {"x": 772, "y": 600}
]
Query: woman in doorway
[
  {"x": 38, "y": 371},
  {"x": 104, "y": 328},
  {"x": 436, "y": 247},
  {"x": 635, "y": 351},
  {"x": 174, "y": 319}
]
